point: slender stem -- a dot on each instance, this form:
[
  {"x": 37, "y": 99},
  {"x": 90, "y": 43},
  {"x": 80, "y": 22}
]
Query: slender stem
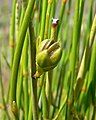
[
  {"x": 44, "y": 8},
  {"x": 49, "y": 90},
  {"x": 40, "y": 85},
  {"x": 25, "y": 77},
  {"x": 12, "y": 39},
  {"x": 19, "y": 87},
  {"x": 61, "y": 15},
  {"x": 52, "y": 14},
  {"x": 75, "y": 38},
  {"x": 12, "y": 31},
  {"x": 30, "y": 104},
  {"x": 33, "y": 71},
  {"x": 17, "y": 20},
  {"x": 45, "y": 107},
  {"x": 47, "y": 18}
]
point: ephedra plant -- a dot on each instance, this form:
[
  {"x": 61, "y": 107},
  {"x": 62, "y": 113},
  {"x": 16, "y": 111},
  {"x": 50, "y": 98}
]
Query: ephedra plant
[{"x": 52, "y": 65}]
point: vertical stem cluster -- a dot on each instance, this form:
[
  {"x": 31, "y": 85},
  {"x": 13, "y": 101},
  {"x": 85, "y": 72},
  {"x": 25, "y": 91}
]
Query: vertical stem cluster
[
  {"x": 73, "y": 57},
  {"x": 18, "y": 50},
  {"x": 60, "y": 93}
]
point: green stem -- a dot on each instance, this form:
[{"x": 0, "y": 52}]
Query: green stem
[
  {"x": 25, "y": 77},
  {"x": 44, "y": 103},
  {"x": 41, "y": 81},
  {"x": 30, "y": 104},
  {"x": 33, "y": 71},
  {"x": 19, "y": 87},
  {"x": 49, "y": 90},
  {"x": 17, "y": 20},
  {"x": 12, "y": 31},
  {"x": 75, "y": 38},
  {"x": 61, "y": 15},
  {"x": 12, "y": 39},
  {"x": 47, "y": 18},
  {"x": 52, "y": 14},
  {"x": 44, "y": 8}
]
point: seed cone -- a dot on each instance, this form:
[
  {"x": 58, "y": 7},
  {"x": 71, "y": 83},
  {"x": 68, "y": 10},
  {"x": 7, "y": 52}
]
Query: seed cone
[{"x": 48, "y": 56}]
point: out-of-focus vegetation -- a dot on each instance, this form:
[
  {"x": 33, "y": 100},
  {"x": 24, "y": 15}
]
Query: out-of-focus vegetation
[{"x": 5, "y": 12}]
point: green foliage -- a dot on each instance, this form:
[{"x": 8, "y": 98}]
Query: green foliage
[{"x": 52, "y": 61}]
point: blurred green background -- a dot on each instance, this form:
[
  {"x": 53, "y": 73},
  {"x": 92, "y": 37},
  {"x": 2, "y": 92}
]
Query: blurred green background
[{"x": 5, "y": 13}]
